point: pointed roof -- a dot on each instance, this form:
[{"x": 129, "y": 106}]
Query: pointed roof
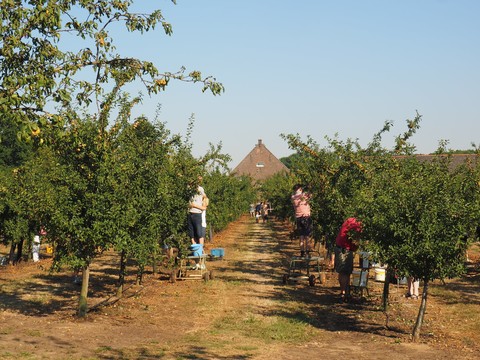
[{"x": 260, "y": 164}]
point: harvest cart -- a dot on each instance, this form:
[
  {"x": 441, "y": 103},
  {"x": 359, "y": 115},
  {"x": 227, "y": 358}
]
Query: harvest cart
[
  {"x": 193, "y": 267},
  {"x": 305, "y": 268}
]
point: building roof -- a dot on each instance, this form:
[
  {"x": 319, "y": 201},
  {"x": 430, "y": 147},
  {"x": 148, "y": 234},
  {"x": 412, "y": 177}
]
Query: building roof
[
  {"x": 260, "y": 164},
  {"x": 455, "y": 159}
]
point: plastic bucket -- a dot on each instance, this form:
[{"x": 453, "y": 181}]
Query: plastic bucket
[
  {"x": 359, "y": 278},
  {"x": 356, "y": 277},
  {"x": 196, "y": 249},
  {"x": 379, "y": 274}
]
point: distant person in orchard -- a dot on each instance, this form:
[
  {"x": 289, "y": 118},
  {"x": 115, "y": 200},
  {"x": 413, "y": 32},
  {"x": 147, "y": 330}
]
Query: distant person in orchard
[
  {"x": 264, "y": 211},
  {"x": 413, "y": 286},
  {"x": 258, "y": 211},
  {"x": 301, "y": 206},
  {"x": 36, "y": 248},
  {"x": 345, "y": 247},
  {"x": 194, "y": 219},
  {"x": 252, "y": 210},
  {"x": 36, "y": 244}
]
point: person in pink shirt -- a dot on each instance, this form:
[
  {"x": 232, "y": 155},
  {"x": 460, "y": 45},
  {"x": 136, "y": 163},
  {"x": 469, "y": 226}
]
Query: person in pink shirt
[
  {"x": 345, "y": 247},
  {"x": 300, "y": 201}
]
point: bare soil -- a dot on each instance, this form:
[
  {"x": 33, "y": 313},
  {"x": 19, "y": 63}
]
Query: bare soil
[{"x": 245, "y": 312}]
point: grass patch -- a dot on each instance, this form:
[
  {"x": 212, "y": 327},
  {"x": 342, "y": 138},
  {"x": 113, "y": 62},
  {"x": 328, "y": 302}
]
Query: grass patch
[
  {"x": 466, "y": 316},
  {"x": 247, "y": 348},
  {"x": 233, "y": 283},
  {"x": 268, "y": 329},
  {"x": 457, "y": 305},
  {"x": 207, "y": 342},
  {"x": 446, "y": 294},
  {"x": 103, "y": 349},
  {"x": 11, "y": 287},
  {"x": 468, "y": 342},
  {"x": 25, "y": 355},
  {"x": 141, "y": 352},
  {"x": 459, "y": 313},
  {"x": 42, "y": 299},
  {"x": 34, "y": 333},
  {"x": 6, "y": 331}
]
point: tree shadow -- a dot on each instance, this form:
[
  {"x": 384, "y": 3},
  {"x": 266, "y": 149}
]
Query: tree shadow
[
  {"x": 48, "y": 292},
  {"x": 322, "y": 309}
]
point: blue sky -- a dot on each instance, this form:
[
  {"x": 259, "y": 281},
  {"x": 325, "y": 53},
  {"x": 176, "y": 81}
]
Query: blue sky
[{"x": 318, "y": 67}]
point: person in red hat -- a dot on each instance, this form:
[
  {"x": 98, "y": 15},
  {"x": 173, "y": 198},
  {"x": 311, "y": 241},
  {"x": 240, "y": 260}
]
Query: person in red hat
[{"x": 345, "y": 247}]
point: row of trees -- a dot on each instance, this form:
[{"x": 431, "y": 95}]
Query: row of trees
[
  {"x": 126, "y": 189},
  {"x": 72, "y": 160},
  {"x": 419, "y": 216}
]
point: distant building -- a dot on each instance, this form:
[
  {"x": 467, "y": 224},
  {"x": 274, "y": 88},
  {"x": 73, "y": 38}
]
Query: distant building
[
  {"x": 455, "y": 159},
  {"x": 260, "y": 164}
]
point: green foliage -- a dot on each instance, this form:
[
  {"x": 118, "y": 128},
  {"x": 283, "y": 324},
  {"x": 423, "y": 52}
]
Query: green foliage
[
  {"x": 291, "y": 160},
  {"x": 418, "y": 217},
  {"x": 39, "y": 73},
  {"x": 17, "y": 224},
  {"x": 277, "y": 190},
  {"x": 147, "y": 195},
  {"x": 332, "y": 175},
  {"x": 229, "y": 198},
  {"x": 91, "y": 186},
  {"x": 13, "y": 152},
  {"x": 77, "y": 176}
]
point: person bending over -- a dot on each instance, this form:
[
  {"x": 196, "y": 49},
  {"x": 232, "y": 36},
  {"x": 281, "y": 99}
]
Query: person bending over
[{"x": 345, "y": 247}]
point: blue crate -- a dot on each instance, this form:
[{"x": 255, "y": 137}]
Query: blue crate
[{"x": 217, "y": 252}]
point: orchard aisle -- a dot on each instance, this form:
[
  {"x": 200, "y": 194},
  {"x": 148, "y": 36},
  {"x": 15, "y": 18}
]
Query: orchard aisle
[
  {"x": 246, "y": 312},
  {"x": 251, "y": 314},
  {"x": 250, "y": 322}
]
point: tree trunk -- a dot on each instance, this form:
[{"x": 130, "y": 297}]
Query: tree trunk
[
  {"x": 386, "y": 289},
  {"x": 82, "y": 303},
  {"x": 19, "y": 251},
  {"x": 421, "y": 312},
  {"x": 121, "y": 274},
  {"x": 139, "y": 275},
  {"x": 211, "y": 233},
  {"x": 11, "y": 255},
  {"x": 154, "y": 259}
]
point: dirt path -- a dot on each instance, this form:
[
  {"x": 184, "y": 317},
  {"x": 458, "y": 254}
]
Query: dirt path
[
  {"x": 246, "y": 312},
  {"x": 258, "y": 262}
]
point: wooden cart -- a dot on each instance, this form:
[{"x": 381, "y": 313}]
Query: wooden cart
[{"x": 191, "y": 268}]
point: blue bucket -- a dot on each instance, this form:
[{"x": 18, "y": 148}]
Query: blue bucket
[
  {"x": 217, "y": 252},
  {"x": 196, "y": 249}
]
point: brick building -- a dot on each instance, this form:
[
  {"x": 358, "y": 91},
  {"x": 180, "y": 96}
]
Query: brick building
[{"x": 260, "y": 164}]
